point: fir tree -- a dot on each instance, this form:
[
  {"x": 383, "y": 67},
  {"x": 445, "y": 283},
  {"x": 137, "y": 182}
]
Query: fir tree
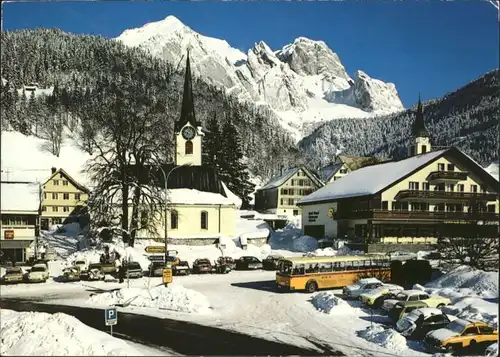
[{"x": 212, "y": 144}]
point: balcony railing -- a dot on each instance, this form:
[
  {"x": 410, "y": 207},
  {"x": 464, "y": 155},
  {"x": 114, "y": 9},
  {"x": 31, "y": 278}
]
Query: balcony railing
[
  {"x": 447, "y": 175},
  {"x": 425, "y": 215},
  {"x": 444, "y": 195}
]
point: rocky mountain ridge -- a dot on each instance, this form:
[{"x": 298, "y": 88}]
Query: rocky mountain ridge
[{"x": 304, "y": 83}]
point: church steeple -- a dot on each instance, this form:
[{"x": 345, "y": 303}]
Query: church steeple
[
  {"x": 420, "y": 141},
  {"x": 187, "y": 109}
]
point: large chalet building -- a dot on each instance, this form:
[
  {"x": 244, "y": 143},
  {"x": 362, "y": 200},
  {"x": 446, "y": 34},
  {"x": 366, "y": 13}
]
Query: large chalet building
[{"x": 428, "y": 195}]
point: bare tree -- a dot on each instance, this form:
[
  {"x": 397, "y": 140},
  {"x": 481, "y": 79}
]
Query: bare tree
[{"x": 479, "y": 253}]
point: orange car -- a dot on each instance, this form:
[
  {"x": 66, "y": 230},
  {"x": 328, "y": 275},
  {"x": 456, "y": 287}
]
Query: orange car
[{"x": 459, "y": 334}]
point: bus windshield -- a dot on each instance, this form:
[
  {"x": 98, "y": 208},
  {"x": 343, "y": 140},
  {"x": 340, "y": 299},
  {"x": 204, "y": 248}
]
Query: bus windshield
[{"x": 285, "y": 267}]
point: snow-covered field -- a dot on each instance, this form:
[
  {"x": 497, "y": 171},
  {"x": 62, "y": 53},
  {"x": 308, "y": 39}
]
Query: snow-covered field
[{"x": 42, "y": 334}]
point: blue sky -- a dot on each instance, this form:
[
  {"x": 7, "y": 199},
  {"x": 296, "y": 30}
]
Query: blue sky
[{"x": 432, "y": 47}]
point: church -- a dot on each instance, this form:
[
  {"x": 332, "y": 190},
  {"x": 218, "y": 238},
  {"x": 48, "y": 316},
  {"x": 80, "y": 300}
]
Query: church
[{"x": 201, "y": 208}]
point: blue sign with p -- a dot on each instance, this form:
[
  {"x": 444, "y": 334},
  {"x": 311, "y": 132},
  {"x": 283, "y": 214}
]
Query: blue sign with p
[{"x": 111, "y": 316}]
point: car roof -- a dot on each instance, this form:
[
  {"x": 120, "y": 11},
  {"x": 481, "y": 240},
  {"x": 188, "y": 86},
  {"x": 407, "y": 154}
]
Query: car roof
[
  {"x": 427, "y": 311},
  {"x": 411, "y": 303},
  {"x": 368, "y": 281},
  {"x": 412, "y": 292},
  {"x": 39, "y": 266}
]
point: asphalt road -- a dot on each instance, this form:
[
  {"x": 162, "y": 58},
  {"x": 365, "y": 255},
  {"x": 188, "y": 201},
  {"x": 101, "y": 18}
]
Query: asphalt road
[{"x": 180, "y": 336}]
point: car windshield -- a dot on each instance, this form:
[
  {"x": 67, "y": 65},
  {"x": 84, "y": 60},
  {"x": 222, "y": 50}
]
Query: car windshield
[
  {"x": 403, "y": 324},
  {"x": 13, "y": 272},
  {"x": 401, "y": 297},
  {"x": 455, "y": 327},
  {"x": 134, "y": 266},
  {"x": 79, "y": 262},
  {"x": 203, "y": 261},
  {"x": 35, "y": 269}
]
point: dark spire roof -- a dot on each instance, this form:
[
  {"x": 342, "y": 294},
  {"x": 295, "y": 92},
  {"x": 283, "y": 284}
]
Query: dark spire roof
[
  {"x": 187, "y": 110},
  {"x": 419, "y": 129}
]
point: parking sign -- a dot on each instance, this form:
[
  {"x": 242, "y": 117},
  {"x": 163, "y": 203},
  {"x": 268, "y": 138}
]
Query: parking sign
[{"x": 111, "y": 317}]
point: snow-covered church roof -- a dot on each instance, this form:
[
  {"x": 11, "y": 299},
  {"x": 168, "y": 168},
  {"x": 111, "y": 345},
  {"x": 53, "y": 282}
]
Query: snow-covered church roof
[
  {"x": 189, "y": 196},
  {"x": 370, "y": 180}
]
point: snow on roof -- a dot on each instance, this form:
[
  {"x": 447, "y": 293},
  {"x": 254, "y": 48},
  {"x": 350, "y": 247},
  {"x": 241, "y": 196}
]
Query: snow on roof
[
  {"x": 493, "y": 169},
  {"x": 426, "y": 311},
  {"x": 23, "y": 160},
  {"x": 280, "y": 180},
  {"x": 371, "y": 179},
  {"x": 19, "y": 197},
  {"x": 189, "y": 196},
  {"x": 231, "y": 196},
  {"x": 328, "y": 171}
]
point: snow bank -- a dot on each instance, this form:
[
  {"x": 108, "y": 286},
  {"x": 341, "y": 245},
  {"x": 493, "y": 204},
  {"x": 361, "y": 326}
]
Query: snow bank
[
  {"x": 42, "y": 334},
  {"x": 328, "y": 303},
  {"x": 328, "y": 252},
  {"x": 291, "y": 238},
  {"x": 474, "y": 309},
  {"x": 484, "y": 284},
  {"x": 387, "y": 338},
  {"x": 173, "y": 297}
]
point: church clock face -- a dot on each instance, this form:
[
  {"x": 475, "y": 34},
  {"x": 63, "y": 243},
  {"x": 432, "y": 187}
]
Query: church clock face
[{"x": 188, "y": 133}]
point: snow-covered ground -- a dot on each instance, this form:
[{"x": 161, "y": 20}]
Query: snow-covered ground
[{"x": 42, "y": 334}]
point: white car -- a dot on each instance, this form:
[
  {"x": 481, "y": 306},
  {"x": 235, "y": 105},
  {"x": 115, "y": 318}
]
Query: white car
[
  {"x": 492, "y": 350},
  {"x": 81, "y": 264},
  {"x": 362, "y": 286},
  {"x": 421, "y": 321},
  {"x": 38, "y": 273},
  {"x": 402, "y": 255},
  {"x": 415, "y": 295}
]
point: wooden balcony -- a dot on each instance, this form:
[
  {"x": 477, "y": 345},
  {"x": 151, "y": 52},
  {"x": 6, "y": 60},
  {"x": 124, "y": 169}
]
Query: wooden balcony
[
  {"x": 420, "y": 195},
  {"x": 419, "y": 215},
  {"x": 446, "y": 176}
]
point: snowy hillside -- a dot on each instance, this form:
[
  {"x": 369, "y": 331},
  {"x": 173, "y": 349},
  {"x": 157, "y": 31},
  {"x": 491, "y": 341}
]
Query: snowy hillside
[
  {"x": 304, "y": 83},
  {"x": 23, "y": 159}
]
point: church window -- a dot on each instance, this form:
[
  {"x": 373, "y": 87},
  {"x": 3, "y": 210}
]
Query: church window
[
  {"x": 204, "y": 220},
  {"x": 424, "y": 149},
  {"x": 174, "y": 220},
  {"x": 189, "y": 147}
]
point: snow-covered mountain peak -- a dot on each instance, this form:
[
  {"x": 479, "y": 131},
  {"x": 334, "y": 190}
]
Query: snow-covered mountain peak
[{"x": 305, "y": 82}]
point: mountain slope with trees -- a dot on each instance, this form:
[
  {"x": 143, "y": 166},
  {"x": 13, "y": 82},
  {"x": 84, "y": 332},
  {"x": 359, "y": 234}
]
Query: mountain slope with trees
[{"x": 466, "y": 118}]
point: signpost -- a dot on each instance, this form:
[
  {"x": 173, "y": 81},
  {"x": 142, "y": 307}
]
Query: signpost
[
  {"x": 111, "y": 318},
  {"x": 167, "y": 275},
  {"x": 154, "y": 249}
]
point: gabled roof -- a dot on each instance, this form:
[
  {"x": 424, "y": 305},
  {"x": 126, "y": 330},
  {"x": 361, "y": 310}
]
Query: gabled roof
[
  {"x": 327, "y": 172},
  {"x": 371, "y": 180},
  {"x": 71, "y": 179},
  {"x": 19, "y": 197},
  {"x": 354, "y": 162},
  {"x": 280, "y": 180}
]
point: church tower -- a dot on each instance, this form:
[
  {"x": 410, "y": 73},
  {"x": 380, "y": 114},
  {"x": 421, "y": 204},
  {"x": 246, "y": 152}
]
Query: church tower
[
  {"x": 187, "y": 130},
  {"x": 420, "y": 141}
]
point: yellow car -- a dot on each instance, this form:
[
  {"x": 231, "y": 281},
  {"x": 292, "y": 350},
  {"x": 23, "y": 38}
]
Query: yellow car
[
  {"x": 459, "y": 334},
  {"x": 375, "y": 298},
  {"x": 415, "y": 295}
]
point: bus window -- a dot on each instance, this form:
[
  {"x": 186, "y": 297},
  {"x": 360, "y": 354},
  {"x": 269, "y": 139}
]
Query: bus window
[
  {"x": 285, "y": 268},
  {"x": 298, "y": 269},
  {"x": 326, "y": 267},
  {"x": 356, "y": 265},
  {"x": 309, "y": 268},
  {"x": 316, "y": 268},
  {"x": 347, "y": 265}
]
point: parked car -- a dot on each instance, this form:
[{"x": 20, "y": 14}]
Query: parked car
[
  {"x": 419, "y": 322},
  {"x": 434, "y": 255},
  {"x": 202, "y": 266},
  {"x": 375, "y": 297},
  {"x": 415, "y": 295},
  {"x": 227, "y": 260},
  {"x": 156, "y": 268},
  {"x": 459, "y": 334},
  {"x": 71, "y": 274},
  {"x": 271, "y": 262},
  {"x": 13, "y": 276},
  {"x": 248, "y": 263},
  {"x": 492, "y": 350},
  {"x": 404, "y": 307},
  {"x": 398, "y": 255},
  {"x": 81, "y": 264},
  {"x": 38, "y": 273},
  {"x": 94, "y": 272},
  {"x": 182, "y": 268},
  {"x": 133, "y": 270},
  {"x": 362, "y": 286}
]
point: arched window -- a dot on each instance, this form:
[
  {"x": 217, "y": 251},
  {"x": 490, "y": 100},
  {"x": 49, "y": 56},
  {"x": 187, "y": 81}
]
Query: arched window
[
  {"x": 204, "y": 220},
  {"x": 188, "y": 148},
  {"x": 174, "y": 220}
]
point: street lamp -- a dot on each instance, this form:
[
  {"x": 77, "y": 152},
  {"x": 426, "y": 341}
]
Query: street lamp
[{"x": 165, "y": 178}]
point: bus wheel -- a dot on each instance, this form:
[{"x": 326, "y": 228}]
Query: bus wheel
[{"x": 311, "y": 286}]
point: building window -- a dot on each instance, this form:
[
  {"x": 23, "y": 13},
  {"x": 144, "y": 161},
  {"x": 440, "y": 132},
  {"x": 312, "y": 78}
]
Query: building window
[
  {"x": 385, "y": 205},
  {"x": 77, "y": 196},
  {"x": 491, "y": 208},
  {"x": 301, "y": 182},
  {"x": 425, "y": 186},
  {"x": 54, "y": 195},
  {"x": 284, "y": 191},
  {"x": 65, "y": 209},
  {"x": 293, "y": 182},
  {"x": 451, "y": 167},
  {"x": 188, "y": 147},
  {"x": 460, "y": 187},
  {"x": 174, "y": 220},
  {"x": 291, "y": 192},
  {"x": 413, "y": 185},
  {"x": 55, "y": 209},
  {"x": 440, "y": 167},
  {"x": 65, "y": 196},
  {"x": 296, "y": 212},
  {"x": 44, "y": 209},
  {"x": 424, "y": 149},
  {"x": 473, "y": 188},
  {"x": 343, "y": 171},
  {"x": 44, "y": 196},
  {"x": 450, "y": 187},
  {"x": 65, "y": 183},
  {"x": 439, "y": 187},
  {"x": 281, "y": 201},
  {"x": 56, "y": 182},
  {"x": 204, "y": 220},
  {"x": 291, "y": 201},
  {"x": 483, "y": 189}
]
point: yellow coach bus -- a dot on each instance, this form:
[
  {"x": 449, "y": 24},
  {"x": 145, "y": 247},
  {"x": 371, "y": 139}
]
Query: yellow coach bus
[{"x": 313, "y": 273}]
